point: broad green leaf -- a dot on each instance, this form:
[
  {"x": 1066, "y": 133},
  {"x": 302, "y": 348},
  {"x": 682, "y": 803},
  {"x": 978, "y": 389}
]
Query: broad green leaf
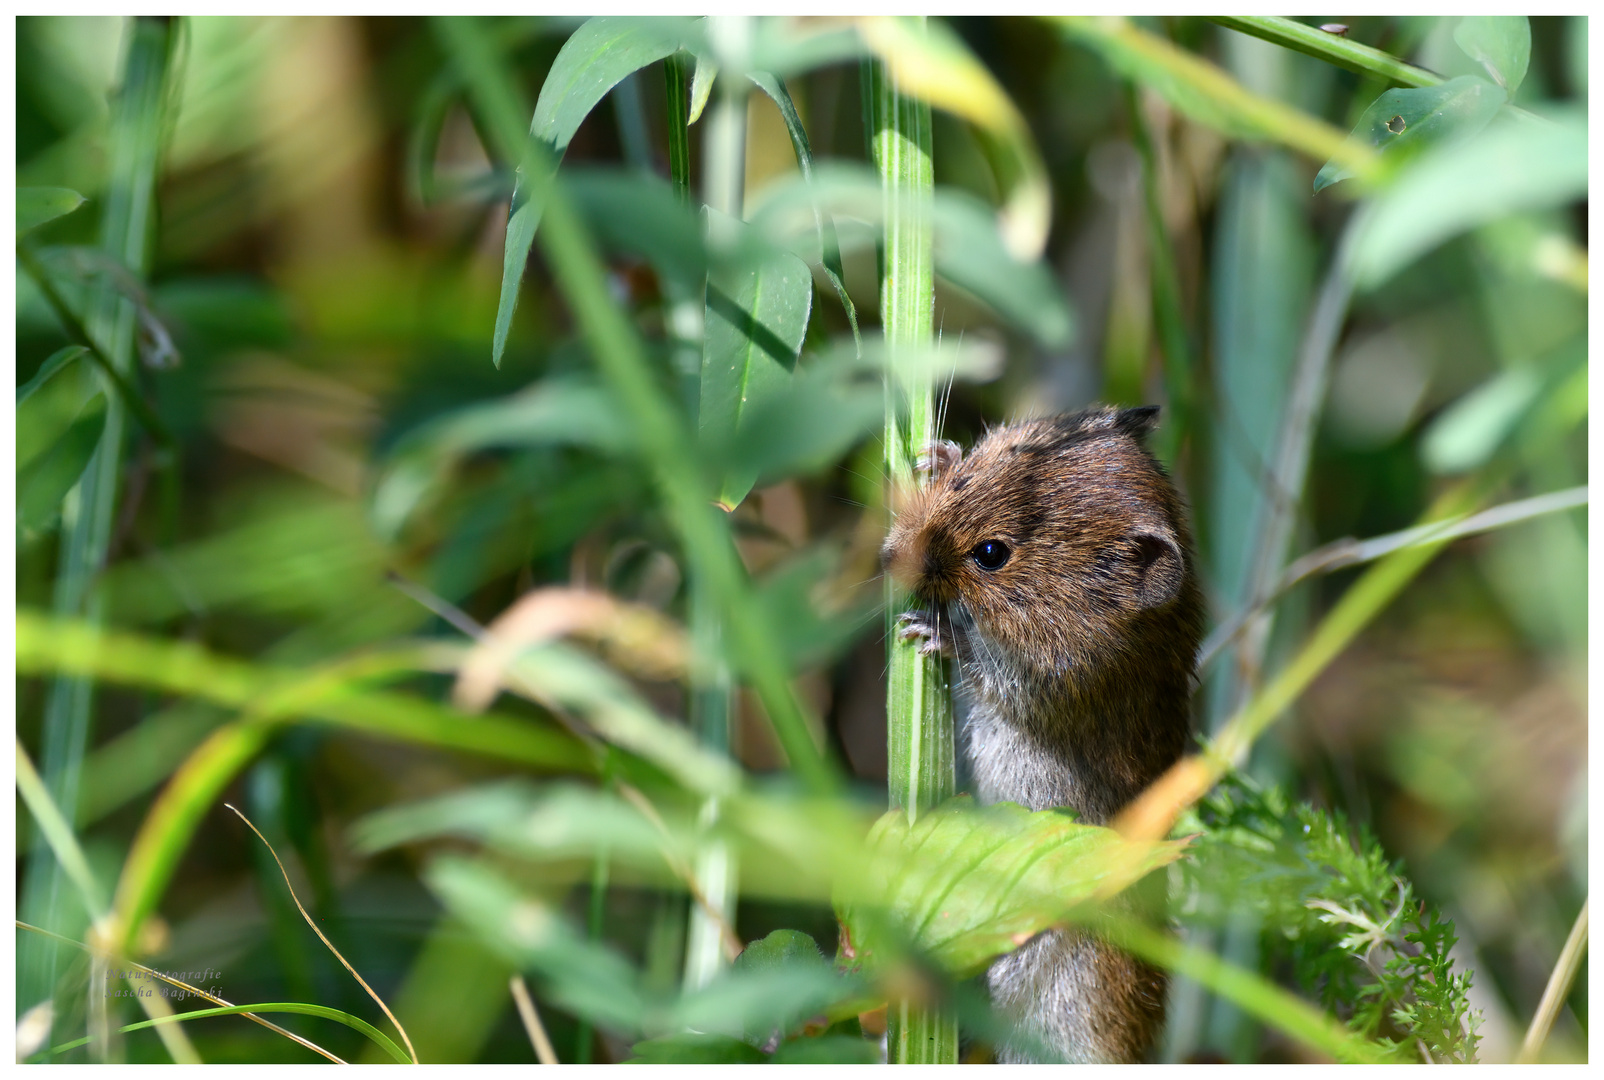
[
  {"x": 1500, "y": 43},
  {"x": 574, "y": 973},
  {"x": 1404, "y": 121},
  {"x": 755, "y": 320},
  {"x": 967, "y": 883},
  {"x": 694, "y": 1048},
  {"x": 600, "y": 54},
  {"x": 782, "y": 949},
  {"x": 969, "y": 248},
  {"x": 37, "y": 205},
  {"x": 48, "y": 370},
  {"x": 830, "y": 247},
  {"x": 1511, "y": 167},
  {"x": 45, "y": 480}
]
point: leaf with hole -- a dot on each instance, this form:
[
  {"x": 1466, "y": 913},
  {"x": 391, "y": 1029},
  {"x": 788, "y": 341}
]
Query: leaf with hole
[
  {"x": 1500, "y": 43},
  {"x": 1405, "y": 121},
  {"x": 1513, "y": 166}
]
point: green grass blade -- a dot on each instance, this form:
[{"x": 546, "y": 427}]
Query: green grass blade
[
  {"x": 356, "y": 1023},
  {"x": 919, "y": 722},
  {"x": 1245, "y": 989},
  {"x": 58, "y": 834},
  {"x": 1208, "y": 95},
  {"x": 139, "y": 122},
  {"x": 665, "y": 439},
  {"x": 601, "y": 53},
  {"x": 1332, "y": 48}
]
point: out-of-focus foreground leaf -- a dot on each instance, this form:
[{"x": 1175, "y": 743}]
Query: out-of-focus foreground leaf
[
  {"x": 967, "y": 883},
  {"x": 1404, "y": 121}
]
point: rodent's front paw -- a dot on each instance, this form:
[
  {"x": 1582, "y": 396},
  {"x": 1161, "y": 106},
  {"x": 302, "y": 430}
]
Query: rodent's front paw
[{"x": 922, "y": 626}]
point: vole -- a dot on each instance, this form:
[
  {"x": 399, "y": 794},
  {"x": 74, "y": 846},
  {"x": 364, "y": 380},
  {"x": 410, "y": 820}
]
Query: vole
[{"x": 1054, "y": 563}]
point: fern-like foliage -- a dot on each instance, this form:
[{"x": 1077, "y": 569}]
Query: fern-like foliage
[{"x": 1339, "y": 910}]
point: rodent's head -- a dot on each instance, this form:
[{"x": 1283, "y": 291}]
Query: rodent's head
[{"x": 1061, "y": 540}]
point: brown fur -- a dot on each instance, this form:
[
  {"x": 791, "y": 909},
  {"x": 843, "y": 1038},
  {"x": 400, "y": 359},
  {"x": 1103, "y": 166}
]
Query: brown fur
[{"x": 1076, "y": 659}]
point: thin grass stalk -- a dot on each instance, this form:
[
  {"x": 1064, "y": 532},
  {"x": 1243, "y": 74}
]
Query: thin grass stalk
[
  {"x": 713, "y": 690},
  {"x": 1165, "y": 281},
  {"x": 137, "y": 128},
  {"x": 1558, "y": 988},
  {"x": 670, "y": 451},
  {"x": 919, "y": 720}
]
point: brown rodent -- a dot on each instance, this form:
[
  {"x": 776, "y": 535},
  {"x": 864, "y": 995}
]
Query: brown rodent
[{"x": 1054, "y": 563}]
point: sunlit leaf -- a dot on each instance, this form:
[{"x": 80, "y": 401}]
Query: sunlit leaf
[
  {"x": 1513, "y": 166},
  {"x": 37, "y": 205},
  {"x": 967, "y": 883},
  {"x": 1408, "y": 120},
  {"x": 1500, "y": 43},
  {"x": 701, "y": 86},
  {"x": 755, "y": 321},
  {"x": 48, "y": 370}
]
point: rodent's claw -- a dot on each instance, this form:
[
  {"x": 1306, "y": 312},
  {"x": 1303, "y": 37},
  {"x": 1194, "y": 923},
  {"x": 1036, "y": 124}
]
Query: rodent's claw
[
  {"x": 937, "y": 457},
  {"x": 921, "y": 626}
]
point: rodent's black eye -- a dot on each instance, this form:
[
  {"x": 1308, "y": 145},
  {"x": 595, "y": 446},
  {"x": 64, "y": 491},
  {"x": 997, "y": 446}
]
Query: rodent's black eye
[{"x": 991, "y": 554}]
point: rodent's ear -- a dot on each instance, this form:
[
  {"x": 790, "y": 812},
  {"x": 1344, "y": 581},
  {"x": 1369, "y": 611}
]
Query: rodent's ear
[
  {"x": 1137, "y": 422},
  {"x": 1160, "y": 567}
]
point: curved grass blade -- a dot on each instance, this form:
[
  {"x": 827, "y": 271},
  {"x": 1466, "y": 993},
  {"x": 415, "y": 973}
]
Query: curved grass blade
[
  {"x": 600, "y": 54},
  {"x": 329, "y": 944},
  {"x": 152, "y": 973},
  {"x": 829, "y": 245},
  {"x": 1333, "y": 49},
  {"x": 354, "y": 1022}
]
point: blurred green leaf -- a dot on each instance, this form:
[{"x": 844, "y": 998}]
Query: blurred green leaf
[
  {"x": 828, "y": 1050},
  {"x": 1500, "y": 43},
  {"x": 600, "y": 54},
  {"x": 968, "y": 883},
  {"x": 1404, "y": 121},
  {"x": 48, "y": 370},
  {"x": 770, "y": 996},
  {"x": 563, "y": 410},
  {"x": 780, "y": 950},
  {"x": 1469, "y": 432},
  {"x": 969, "y": 248},
  {"x": 47, "y": 477},
  {"x": 630, "y": 211},
  {"x": 573, "y": 972},
  {"x": 37, "y": 205},
  {"x": 1512, "y": 166},
  {"x": 802, "y": 425},
  {"x": 755, "y": 321},
  {"x": 1466, "y": 434},
  {"x": 356, "y": 1023},
  {"x": 1207, "y": 94},
  {"x": 695, "y": 1049}
]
